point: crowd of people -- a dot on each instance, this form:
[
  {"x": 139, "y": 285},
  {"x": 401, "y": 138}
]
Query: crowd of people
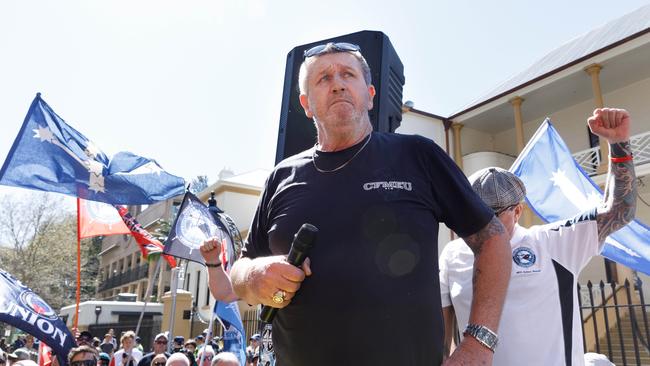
[{"x": 90, "y": 351}]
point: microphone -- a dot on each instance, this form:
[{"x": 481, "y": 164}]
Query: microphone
[{"x": 300, "y": 247}]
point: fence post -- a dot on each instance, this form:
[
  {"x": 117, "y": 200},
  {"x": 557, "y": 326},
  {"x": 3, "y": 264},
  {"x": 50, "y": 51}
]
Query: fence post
[
  {"x": 606, "y": 317},
  {"x": 618, "y": 321}
]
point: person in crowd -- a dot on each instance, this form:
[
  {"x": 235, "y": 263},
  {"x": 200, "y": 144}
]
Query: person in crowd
[
  {"x": 83, "y": 355},
  {"x": 138, "y": 344},
  {"x": 104, "y": 359},
  {"x": 177, "y": 359},
  {"x": 85, "y": 338},
  {"x": 205, "y": 355},
  {"x": 159, "y": 348},
  {"x": 28, "y": 348},
  {"x": 19, "y": 342},
  {"x": 177, "y": 346},
  {"x": 253, "y": 349},
  {"x": 113, "y": 338},
  {"x": 190, "y": 346},
  {"x": 107, "y": 345},
  {"x": 377, "y": 199},
  {"x": 225, "y": 359},
  {"x": 158, "y": 360},
  {"x": 200, "y": 341},
  {"x": 541, "y": 311},
  {"x": 128, "y": 355}
]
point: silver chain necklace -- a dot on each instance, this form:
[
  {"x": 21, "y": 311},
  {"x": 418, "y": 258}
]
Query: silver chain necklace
[{"x": 313, "y": 158}]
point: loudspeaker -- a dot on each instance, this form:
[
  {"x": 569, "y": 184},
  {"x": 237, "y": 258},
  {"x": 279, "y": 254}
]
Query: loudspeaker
[{"x": 297, "y": 132}]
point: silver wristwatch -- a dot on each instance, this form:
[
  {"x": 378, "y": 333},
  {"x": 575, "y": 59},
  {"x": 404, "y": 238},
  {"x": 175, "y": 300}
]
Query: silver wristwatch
[{"x": 483, "y": 334}]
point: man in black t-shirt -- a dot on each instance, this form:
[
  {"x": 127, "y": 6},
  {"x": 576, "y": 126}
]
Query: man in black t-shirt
[{"x": 377, "y": 200}]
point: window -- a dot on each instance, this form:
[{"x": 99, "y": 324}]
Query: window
[
  {"x": 196, "y": 293},
  {"x": 207, "y": 295}
]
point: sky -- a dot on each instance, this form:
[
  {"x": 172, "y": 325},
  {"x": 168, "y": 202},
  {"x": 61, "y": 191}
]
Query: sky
[{"x": 197, "y": 85}]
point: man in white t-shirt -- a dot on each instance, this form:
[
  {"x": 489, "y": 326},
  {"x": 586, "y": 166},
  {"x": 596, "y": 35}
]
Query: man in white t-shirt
[{"x": 540, "y": 323}]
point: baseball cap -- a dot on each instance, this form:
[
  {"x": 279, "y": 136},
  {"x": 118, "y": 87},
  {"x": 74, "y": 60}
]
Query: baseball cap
[
  {"x": 497, "y": 187},
  {"x": 256, "y": 337},
  {"x": 19, "y": 354},
  {"x": 179, "y": 339},
  {"x": 104, "y": 356},
  {"x": 86, "y": 334},
  {"x": 161, "y": 335},
  {"x": 199, "y": 337}
]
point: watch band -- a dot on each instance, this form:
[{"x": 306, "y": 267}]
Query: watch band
[{"x": 483, "y": 335}]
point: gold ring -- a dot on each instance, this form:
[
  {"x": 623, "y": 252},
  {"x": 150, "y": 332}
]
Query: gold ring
[{"x": 278, "y": 296}]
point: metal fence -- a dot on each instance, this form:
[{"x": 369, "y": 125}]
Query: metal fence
[{"x": 615, "y": 321}]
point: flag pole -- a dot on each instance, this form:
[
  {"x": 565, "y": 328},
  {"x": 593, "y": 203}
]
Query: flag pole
[
  {"x": 208, "y": 336},
  {"x": 76, "y": 311},
  {"x": 148, "y": 292},
  {"x": 174, "y": 285}
]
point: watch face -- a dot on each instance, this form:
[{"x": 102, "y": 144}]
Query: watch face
[{"x": 195, "y": 226}]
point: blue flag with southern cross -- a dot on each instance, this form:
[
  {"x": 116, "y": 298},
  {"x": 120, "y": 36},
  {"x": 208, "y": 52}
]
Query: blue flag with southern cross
[
  {"x": 234, "y": 335},
  {"x": 557, "y": 188},
  {"x": 24, "y": 309},
  {"x": 49, "y": 155}
]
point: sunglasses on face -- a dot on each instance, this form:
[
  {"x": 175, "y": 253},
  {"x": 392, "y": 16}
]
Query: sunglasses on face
[
  {"x": 84, "y": 340},
  {"x": 339, "y": 46},
  {"x": 160, "y": 342},
  {"x": 84, "y": 363},
  {"x": 159, "y": 363}
]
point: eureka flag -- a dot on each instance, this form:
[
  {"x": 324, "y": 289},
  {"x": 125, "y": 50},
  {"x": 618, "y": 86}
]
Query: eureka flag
[
  {"x": 557, "y": 188},
  {"x": 49, "y": 155},
  {"x": 234, "y": 335},
  {"x": 22, "y": 308}
]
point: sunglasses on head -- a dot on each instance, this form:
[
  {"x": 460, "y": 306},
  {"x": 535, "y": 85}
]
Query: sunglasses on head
[
  {"x": 84, "y": 363},
  {"x": 339, "y": 46}
]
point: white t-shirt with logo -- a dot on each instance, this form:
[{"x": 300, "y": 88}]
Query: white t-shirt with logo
[{"x": 540, "y": 323}]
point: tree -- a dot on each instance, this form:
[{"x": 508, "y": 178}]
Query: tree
[{"x": 40, "y": 236}]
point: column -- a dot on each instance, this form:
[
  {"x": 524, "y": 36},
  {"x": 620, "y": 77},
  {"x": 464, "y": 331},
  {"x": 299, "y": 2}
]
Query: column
[
  {"x": 458, "y": 155},
  {"x": 516, "y": 102},
  {"x": 519, "y": 122},
  {"x": 594, "y": 71}
]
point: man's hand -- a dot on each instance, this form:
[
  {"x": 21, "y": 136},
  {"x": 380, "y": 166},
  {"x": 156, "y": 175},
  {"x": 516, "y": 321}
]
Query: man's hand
[
  {"x": 469, "y": 352},
  {"x": 264, "y": 276},
  {"x": 211, "y": 250},
  {"x": 612, "y": 124}
]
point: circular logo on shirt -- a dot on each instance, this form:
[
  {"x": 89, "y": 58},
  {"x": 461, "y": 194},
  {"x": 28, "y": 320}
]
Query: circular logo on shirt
[{"x": 524, "y": 257}]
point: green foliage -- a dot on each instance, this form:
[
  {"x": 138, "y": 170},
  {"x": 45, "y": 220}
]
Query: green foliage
[{"x": 40, "y": 238}]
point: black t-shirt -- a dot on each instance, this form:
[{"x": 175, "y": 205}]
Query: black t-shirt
[{"x": 374, "y": 296}]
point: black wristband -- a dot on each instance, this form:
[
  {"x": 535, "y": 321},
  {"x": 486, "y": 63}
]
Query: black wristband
[{"x": 213, "y": 265}]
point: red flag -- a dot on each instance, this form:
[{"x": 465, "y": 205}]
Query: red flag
[
  {"x": 44, "y": 354},
  {"x": 148, "y": 244},
  {"x": 98, "y": 218}
]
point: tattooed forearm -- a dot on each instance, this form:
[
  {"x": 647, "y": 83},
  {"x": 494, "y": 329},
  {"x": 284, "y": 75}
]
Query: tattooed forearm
[
  {"x": 475, "y": 241},
  {"x": 619, "y": 204}
]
